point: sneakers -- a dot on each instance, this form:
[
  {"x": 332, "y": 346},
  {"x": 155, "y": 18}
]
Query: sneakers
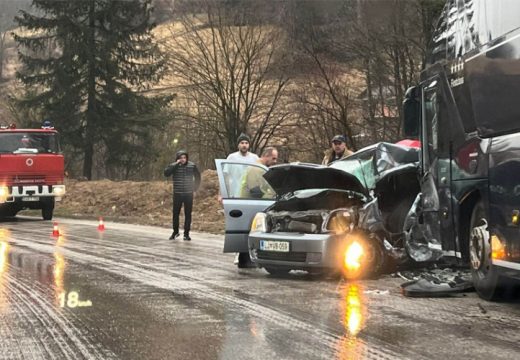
[{"x": 175, "y": 235}]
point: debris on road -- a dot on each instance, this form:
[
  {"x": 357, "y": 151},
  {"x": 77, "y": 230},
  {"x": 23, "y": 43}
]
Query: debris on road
[
  {"x": 435, "y": 282},
  {"x": 482, "y": 310},
  {"x": 376, "y": 292}
]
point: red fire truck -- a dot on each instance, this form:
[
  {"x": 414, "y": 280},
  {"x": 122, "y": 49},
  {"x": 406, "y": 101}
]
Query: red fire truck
[{"x": 31, "y": 170}]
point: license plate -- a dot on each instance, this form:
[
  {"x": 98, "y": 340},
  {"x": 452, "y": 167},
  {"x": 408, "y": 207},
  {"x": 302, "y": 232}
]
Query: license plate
[
  {"x": 30, "y": 198},
  {"x": 280, "y": 246}
]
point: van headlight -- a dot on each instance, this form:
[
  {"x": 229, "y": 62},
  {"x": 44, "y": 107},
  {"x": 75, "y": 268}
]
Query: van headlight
[
  {"x": 259, "y": 223},
  {"x": 58, "y": 190},
  {"x": 340, "y": 221}
]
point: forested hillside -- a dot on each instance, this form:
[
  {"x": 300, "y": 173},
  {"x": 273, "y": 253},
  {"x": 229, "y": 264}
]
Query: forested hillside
[{"x": 128, "y": 83}]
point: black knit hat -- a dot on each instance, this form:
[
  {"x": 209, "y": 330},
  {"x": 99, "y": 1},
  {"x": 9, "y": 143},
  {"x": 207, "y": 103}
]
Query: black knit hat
[
  {"x": 243, "y": 137},
  {"x": 180, "y": 153}
]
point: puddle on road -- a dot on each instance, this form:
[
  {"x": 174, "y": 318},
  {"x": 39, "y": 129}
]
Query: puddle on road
[
  {"x": 18, "y": 263},
  {"x": 353, "y": 310},
  {"x": 4, "y": 253}
]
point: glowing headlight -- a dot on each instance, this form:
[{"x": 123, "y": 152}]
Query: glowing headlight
[
  {"x": 353, "y": 256},
  {"x": 4, "y": 192},
  {"x": 58, "y": 190},
  {"x": 259, "y": 223}
]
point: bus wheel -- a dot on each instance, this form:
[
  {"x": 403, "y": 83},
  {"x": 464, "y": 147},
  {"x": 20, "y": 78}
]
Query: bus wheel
[{"x": 485, "y": 275}]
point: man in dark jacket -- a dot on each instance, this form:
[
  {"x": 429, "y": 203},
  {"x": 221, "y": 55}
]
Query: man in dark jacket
[
  {"x": 337, "y": 151},
  {"x": 186, "y": 180}
]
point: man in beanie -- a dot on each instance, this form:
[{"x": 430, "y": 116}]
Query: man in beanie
[
  {"x": 186, "y": 181},
  {"x": 338, "y": 150},
  {"x": 254, "y": 186},
  {"x": 243, "y": 154}
]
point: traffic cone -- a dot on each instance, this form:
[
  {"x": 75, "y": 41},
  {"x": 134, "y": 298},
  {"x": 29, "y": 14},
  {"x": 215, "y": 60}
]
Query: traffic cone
[
  {"x": 101, "y": 226},
  {"x": 55, "y": 229}
]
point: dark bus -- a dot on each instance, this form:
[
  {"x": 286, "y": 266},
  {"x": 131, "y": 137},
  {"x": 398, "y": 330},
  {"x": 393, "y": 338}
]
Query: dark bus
[{"x": 466, "y": 112}]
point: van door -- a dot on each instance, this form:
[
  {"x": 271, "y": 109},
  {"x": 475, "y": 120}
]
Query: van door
[{"x": 240, "y": 203}]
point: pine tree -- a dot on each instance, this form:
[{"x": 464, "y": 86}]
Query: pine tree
[{"x": 86, "y": 64}]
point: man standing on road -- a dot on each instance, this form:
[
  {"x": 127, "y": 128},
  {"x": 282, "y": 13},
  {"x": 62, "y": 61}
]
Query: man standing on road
[
  {"x": 338, "y": 150},
  {"x": 254, "y": 186},
  {"x": 186, "y": 181}
]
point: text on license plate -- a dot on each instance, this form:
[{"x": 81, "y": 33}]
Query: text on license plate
[
  {"x": 282, "y": 246},
  {"x": 30, "y": 198}
]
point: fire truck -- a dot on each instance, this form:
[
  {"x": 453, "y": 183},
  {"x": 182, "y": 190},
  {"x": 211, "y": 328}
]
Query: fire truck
[{"x": 31, "y": 170}]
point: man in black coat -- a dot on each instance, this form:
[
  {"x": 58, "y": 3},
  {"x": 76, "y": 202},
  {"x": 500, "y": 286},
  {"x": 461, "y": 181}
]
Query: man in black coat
[{"x": 186, "y": 181}]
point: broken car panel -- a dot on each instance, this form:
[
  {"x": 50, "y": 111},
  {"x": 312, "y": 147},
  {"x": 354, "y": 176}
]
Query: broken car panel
[{"x": 349, "y": 214}]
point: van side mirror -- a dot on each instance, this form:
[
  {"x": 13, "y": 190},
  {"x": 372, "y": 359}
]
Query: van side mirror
[{"x": 412, "y": 113}]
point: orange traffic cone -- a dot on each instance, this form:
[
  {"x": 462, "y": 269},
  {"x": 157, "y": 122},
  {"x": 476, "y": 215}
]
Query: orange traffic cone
[
  {"x": 55, "y": 229},
  {"x": 101, "y": 226}
]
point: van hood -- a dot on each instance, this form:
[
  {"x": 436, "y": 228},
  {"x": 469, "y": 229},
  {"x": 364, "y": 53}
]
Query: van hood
[{"x": 288, "y": 178}]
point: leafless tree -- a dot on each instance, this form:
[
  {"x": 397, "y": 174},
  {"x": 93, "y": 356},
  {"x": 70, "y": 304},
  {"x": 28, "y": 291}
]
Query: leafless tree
[
  {"x": 231, "y": 70},
  {"x": 389, "y": 39}
]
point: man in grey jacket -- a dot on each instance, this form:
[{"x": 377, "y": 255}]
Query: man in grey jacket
[{"x": 186, "y": 181}]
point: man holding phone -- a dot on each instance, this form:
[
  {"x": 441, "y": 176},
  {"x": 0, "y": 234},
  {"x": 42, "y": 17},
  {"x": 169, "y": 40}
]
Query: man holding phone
[{"x": 186, "y": 181}]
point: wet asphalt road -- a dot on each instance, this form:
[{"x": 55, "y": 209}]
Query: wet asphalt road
[{"x": 128, "y": 293}]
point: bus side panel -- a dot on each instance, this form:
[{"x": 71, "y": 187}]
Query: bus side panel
[{"x": 504, "y": 186}]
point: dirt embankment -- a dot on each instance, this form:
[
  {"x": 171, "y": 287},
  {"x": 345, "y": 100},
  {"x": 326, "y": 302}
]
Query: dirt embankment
[{"x": 146, "y": 203}]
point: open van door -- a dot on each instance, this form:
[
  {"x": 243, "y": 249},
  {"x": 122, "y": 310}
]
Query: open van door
[{"x": 241, "y": 204}]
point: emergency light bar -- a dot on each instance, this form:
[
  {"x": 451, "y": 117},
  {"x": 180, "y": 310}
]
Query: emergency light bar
[{"x": 47, "y": 125}]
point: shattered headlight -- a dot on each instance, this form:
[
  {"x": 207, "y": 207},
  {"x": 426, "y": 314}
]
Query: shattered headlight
[
  {"x": 340, "y": 221},
  {"x": 259, "y": 223}
]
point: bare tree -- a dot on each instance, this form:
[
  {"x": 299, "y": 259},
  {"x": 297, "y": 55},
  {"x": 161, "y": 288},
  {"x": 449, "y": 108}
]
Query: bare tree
[
  {"x": 389, "y": 39},
  {"x": 232, "y": 72},
  {"x": 326, "y": 103}
]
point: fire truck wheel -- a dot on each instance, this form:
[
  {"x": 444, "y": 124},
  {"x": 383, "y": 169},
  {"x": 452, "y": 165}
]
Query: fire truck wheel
[
  {"x": 8, "y": 212},
  {"x": 47, "y": 212}
]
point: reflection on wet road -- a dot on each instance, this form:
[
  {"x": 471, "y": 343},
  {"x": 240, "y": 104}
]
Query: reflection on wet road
[{"x": 128, "y": 293}]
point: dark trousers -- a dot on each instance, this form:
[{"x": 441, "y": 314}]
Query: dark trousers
[{"x": 178, "y": 201}]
